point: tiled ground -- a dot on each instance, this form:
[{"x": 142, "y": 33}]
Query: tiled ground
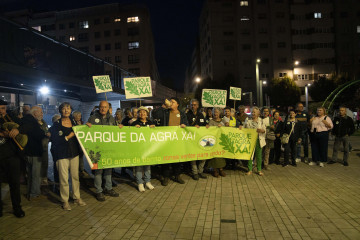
[{"x": 307, "y": 202}]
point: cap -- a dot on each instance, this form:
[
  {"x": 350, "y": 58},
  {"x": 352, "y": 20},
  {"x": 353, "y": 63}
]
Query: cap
[
  {"x": 143, "y": 108},
  {"x": 2, "y": 102}
]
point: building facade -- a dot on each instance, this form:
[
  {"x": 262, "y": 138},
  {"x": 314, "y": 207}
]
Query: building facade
[
  {"x": 120, "y": 34},
  {"x": 300, "y": 39}
]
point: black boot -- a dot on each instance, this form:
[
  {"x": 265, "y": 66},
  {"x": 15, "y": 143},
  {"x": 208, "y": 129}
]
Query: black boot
[
  {"x": 179, "y": 179},
  {"x": 19, "y": 213}
]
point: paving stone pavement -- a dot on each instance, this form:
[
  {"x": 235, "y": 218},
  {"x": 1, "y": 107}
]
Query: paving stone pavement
[{"x": 306, "y": 202}]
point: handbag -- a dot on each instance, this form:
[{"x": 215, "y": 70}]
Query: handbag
[
  {"x": 270, "y": 135},
  {"x": 285, "y": 137}
]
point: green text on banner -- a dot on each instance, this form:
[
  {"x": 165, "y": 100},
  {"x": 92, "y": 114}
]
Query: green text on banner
[
  {"x": 235, "y": 93},
  {"x": 102, "y": 83},
  {"x": 138, "y": 87},
  {"x": 213, "y": 98},
  {"x": 110, "y": 146}
]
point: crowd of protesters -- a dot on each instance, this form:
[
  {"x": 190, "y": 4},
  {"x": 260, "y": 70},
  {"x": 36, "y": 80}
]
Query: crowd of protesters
[{"x": 275, "y": 135}]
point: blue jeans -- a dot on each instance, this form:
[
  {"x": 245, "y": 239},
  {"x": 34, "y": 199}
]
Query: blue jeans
[
  {"x": 98, "y": 179},
  {"x": 290, "y": 148},
  {"x": 341, "y": 140},
  {"x": 319, "y": 146},
  {"x": 33, "y": 167},
  {"x": 305, "y": 143},
  {"x": 139, "y": 174}
]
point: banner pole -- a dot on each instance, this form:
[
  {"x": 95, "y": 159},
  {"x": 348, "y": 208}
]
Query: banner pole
[
  {"x": 140, "y": 103},
  {"x": 105, "y": 97},
  {"x": 234, "y": 104}
]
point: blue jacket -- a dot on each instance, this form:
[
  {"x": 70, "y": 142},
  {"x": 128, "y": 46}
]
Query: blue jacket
[{"x": 60, "y": 148}]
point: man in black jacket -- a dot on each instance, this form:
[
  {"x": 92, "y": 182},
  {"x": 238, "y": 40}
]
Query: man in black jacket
[
  {"x": 103, "y": 117},
  {"x": 343, "y": 128},
  {"x": 196, "y": 119},
  {"x": 9, "y": 164},
  {"x": 33, "y": 150},
  {"x": 171, "y": 116}
]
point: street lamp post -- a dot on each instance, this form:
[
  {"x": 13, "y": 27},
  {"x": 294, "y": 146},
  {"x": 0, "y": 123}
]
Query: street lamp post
[
  {"x": 250, "y": 97},
  {"x": 296, "y": 63},
  {"x": 307, "y": 96},
  {"x": 262, "y": 83},
  {"x": 257, "y": 82}
]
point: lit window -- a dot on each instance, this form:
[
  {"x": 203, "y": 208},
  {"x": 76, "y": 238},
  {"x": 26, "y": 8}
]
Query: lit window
[
  {"x": 83, "y": 24},
  {"x": 302, "y": 77},
  {"x": 38, "y": 28},
  {"x": 357, "y": 29},
  {"x": 117, "y": 20},
  {"x": 133, "y": 45},
  {"x": 72, "y": 38},
  {"x": 133, "y": 19},
  {"x": 244, "y": 3},
  {"x": 317, "y": 15},
  {"x": 244, "y": 18}
]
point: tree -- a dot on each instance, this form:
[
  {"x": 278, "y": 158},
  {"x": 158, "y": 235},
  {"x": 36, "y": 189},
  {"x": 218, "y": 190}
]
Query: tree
[
  {"x": 321, "y": 88},
  {"x": 283, "y": 92}
]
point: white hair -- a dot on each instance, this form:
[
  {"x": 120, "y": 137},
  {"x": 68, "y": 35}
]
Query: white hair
[{"x": 34, "y": 109}]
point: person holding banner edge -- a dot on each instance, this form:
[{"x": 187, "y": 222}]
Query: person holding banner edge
[
  {"x": 103, "y": 117},
  {"x": 143, "y": 121},
  {"x": 256, "y": 123},
  {"x": 216, "y": 163},
  {"x": 171, "y": 116},
  {"x": 230, "y": 121},
  {"x": 196, "y": 119}
]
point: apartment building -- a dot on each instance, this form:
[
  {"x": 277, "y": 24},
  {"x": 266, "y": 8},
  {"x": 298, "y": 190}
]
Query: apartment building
[
  {"x": 118, "y": 33},
  {"x": 301, "y": 39}
]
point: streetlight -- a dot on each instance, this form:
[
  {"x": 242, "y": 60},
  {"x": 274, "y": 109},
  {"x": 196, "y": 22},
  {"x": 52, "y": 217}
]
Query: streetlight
[
  {"x": 44, "y": 90},
  {"x": 307, "y": 96},
  {"x": 296, "y": 63},
  {"x": 197, "y": 80},
  {"x": 258, "y": 92}
]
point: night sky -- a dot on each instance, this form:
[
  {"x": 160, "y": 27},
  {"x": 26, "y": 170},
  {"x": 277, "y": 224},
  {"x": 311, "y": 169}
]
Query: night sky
[{"x": 174, "y": 24}]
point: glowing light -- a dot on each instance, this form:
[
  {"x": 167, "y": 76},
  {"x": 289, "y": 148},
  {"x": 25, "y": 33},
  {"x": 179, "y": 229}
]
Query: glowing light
[
  {"x": 296, "y": 62},
  {"x": 44, "y": 90},
  {"x": 197, "y": 80},
  {"x": 258, "y": 60}
]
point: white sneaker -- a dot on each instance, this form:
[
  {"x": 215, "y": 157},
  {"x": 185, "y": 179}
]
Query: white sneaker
[
  {"x": 141, "y": 188},
  {"x": 80, "y": 202},
  {"x": 298, "y": 160},
  {"x": 66, "y": 206},
  {"x": 312, "y": 163},
  {"x": 321, "y": 164},
  {"x": 149, "y": 186}
]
